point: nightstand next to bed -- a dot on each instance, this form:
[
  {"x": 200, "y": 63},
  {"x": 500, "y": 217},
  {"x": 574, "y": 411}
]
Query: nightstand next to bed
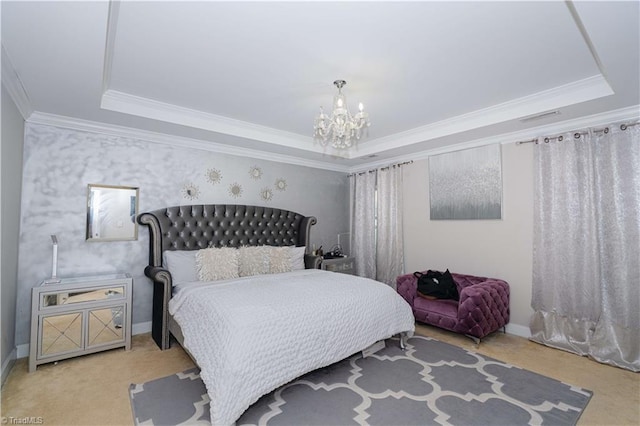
[{"x": 78, "y": 316}]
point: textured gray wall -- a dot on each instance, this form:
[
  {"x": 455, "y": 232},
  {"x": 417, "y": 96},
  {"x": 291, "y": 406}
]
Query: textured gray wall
[
  {"x": 12, "y": 143},
  {"x": 60, "y": 163}
]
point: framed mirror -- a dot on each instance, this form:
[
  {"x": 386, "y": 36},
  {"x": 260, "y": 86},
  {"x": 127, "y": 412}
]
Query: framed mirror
[{"x": 111, "y": 213}]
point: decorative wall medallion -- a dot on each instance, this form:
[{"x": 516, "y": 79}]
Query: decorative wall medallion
[
  {"x": 266, "y": 194},
  {"x": 255, "y": 172},
  {"x": 214, "y": 176},
  {"x": 190, "y": 191},
  {"x": 235, "y": 190},
  {"x": 281, "y": 184}
]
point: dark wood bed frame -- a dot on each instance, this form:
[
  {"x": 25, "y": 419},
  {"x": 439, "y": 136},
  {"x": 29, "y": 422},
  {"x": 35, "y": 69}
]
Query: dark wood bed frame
[{"x": 195, "y": 227}]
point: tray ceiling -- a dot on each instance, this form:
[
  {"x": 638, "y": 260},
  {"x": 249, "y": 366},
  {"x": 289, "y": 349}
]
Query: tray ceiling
[{"x": 251, "y": 75}]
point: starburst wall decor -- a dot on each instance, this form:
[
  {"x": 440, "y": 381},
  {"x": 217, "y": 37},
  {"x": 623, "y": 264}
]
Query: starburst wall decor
[
  {"x": 281, "y": 184},
  {"x": 214, "y": 176},
  {"x": 255, "y": 172},
  {"x": 235, "y": 190},
  {"x": 266, "y": 194},
  {"x": 190, "y": 191}
]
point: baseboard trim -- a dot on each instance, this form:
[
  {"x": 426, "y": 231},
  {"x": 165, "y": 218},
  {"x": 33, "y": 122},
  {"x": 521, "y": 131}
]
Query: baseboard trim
[
  {"x": 141, "y": 328},
  {"x": 7, "y": 365},
  {"x": 22, "y": 351},
  {"x": 518, "y": 330}
]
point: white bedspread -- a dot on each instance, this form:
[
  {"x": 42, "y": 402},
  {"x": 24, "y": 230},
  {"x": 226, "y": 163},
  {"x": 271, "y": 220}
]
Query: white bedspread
[{"x": 252, "y": 335}]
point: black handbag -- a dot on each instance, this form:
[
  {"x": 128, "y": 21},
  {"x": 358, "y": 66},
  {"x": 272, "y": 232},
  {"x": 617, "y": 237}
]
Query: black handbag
[{"x": 436, "y": 285}]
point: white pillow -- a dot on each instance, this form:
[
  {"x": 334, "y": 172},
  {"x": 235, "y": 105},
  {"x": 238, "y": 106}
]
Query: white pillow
[
  {"x": 253, "y": 260},
  {"x": 217, "y": 263},
  {"x": 181, "y": 264},
  {"x": 297, "y": 258},
  {"x": 279, "y": 259}
]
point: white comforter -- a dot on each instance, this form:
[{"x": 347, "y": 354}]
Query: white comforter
[{"x": 252, "y": 335}]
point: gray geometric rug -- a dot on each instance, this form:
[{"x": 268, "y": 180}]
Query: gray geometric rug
[{"x": 430, "y": 383}]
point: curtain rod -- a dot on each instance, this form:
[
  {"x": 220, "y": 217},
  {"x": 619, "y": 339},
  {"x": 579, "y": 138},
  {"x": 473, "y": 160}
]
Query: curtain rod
[
  {"x": 381, "y": 168},
  {"x": 577, "y": 135}
]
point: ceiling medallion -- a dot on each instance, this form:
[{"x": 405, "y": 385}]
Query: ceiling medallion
[{"x": 341, "y": 128}]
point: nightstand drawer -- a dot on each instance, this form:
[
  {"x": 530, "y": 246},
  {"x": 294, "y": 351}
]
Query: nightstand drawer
[
  {"x": 344, "y": 265},
  {"x": 80, "y": 296}
]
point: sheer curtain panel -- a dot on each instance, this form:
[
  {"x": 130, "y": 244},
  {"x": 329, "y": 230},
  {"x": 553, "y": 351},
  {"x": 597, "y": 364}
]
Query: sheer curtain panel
[
  {"x": 390, "y": 254},
  {"x": 586, "y": 256},
  {"x": 363, "y": 223}
]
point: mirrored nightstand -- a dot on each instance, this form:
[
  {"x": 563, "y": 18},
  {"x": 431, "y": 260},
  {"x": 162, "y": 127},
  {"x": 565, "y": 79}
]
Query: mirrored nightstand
[{"x": 79, "y": 316}]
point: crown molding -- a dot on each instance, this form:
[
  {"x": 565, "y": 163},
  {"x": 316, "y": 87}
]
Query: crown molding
[
  {"x": 11, "y": 81},
  {"x": 589, "y": 88},
  {"x": 569, "y": 94},
  {"x": 176, "y": 141},
  {"x": 144, "y": 107},
  {"x": 595, "y": 120}
]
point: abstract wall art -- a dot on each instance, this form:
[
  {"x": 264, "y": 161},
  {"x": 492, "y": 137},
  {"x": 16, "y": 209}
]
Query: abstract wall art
[{"x": 467, "y": 184}]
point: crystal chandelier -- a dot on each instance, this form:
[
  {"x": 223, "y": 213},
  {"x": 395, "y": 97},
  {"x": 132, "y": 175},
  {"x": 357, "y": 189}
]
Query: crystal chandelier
[{"x": 341, "y": 128}]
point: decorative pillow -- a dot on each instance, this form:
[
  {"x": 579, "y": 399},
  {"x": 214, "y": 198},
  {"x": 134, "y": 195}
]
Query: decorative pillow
[
  {"x": 181, "y": 264},
  {"x": 297, "y": 257},
  {"x": 279, "y": 259},
  {"x": 253, "y": 260},
  {"x": 217, "y": 263}
]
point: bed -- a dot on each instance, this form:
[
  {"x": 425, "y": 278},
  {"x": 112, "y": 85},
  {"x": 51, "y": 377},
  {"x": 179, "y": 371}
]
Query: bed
[{"x": 257, "y": 312}]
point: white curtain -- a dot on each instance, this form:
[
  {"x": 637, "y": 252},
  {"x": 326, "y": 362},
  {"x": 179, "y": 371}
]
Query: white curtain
[
  {"x": 376, "y": 226},
  {"x": 389, "y": 244},
  {"x": 586, "y": 259},
  {"x": 363, "y": 223}
]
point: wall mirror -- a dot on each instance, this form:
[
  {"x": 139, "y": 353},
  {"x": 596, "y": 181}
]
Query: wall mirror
[{"x": 111, "y": 213}]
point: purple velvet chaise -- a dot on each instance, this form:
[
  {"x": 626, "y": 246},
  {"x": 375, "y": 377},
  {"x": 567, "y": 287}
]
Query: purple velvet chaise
[{"x": 482, "y": 309}]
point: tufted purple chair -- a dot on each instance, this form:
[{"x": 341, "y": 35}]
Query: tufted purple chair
[{"x": 482, "y": 309}]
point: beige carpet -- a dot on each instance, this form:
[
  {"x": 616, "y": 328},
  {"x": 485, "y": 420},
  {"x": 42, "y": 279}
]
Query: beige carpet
[{"x": 94, "y": 389}]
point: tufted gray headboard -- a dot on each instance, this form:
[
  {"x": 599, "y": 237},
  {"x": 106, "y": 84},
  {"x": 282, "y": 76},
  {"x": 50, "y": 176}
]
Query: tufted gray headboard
[{"x": 195, "y": 227}]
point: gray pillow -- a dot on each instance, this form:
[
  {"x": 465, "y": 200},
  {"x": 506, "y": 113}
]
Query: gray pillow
[
  {"x": 181, "y": 264},
  {"x": 297, "y": 258}
]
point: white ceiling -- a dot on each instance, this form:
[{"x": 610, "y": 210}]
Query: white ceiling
[{"x": 249, "y": 77}]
